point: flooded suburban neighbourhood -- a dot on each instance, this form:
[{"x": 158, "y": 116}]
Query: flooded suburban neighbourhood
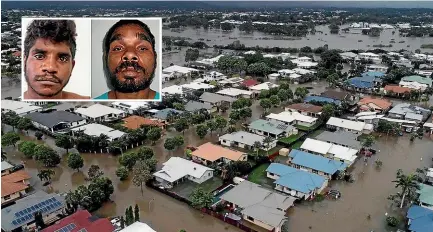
[{"x": 357, "y": 89}]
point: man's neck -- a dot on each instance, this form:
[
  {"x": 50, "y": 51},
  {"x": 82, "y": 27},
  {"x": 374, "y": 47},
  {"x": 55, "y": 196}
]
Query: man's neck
[
  {"x": 142, "y": 94},
  {"x": 31, "y": 94}
]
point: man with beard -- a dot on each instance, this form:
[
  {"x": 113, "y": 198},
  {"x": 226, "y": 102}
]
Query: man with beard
[
  {"x": 49, "y": 52},
  {"x": 129, "y": 58}
]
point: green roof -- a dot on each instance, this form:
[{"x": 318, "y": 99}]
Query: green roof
[
  {"x": 426, "y": 194},
  {"x": 419, "y": 79}
]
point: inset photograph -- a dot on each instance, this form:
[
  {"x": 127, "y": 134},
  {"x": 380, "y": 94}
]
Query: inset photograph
[
  {"x": 126, "y": 59},
  {"x": 56, "y": 59}
]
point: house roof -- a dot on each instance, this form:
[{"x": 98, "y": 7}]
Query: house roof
[
  {"x": 98, "y": 110},
  {"x": 18, "y": 107},
  {"x": 316, "y": 162},
  {"x": 173, "y": 89},
  {"x": 6, "y": 166},
  {"x": 176, "y": 168},
  {"x": 17, "y": 176},
  {"x": 316, "y": 146},
  {"x": 249, "y": 82},
  {"x": 296, "y": 179},
  {"x": 421, "y": 219},
  {"x": 197, "y": 86},
  {"x": 234, "y": 92},
  {"x": 53, "y": 118},
  {"x": 404, "y": 108},
  {"x": 243, "y": 137},
  {"x": 162, "y": 114},
  {"x": 305, "y": 107},
  {"x": 94, "y": 129},
  {"x": 180, "y": 69},
  {"x": 262, "y": 204},
  {"x": 349, "y": 54},
  {"x": 21, "y": 213},
  {"x": 215, "y": 98},
  {"x": 80, "y": 220},
  {"x": 340, "y": 137},
  {"x": 9, "y": 188},
  {"x": 195, "y": 105},
  {"x": 419, "y": 79},
  {"x": 426, "y": 194},
  {"x": 397, "y": 89},
  {"x": 270, "y": 127},
  {"x": 287, "y": 116},
  {"x": 138, "y": 226},
  {"x": 324, "y": 148},
  {"x": 336, "y": 95},
  {"x": 211, "y": 152},
  {"x": 263, "y": 86},
  {"x": 134, "y": 122},
  {"x": 364, "y": 82},
  {"x": 132, "y": 105},
  {"x": 343, "y": 153},
  {"x": 384, "y": 104},
  {"x": 348, "y": 124},
  {"x": 373, "y": 74},
  {"x": 321, "y": 99}
]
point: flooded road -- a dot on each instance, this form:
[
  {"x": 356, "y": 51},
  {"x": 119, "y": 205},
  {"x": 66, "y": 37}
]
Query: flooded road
[{"x": 344, "y": 41}]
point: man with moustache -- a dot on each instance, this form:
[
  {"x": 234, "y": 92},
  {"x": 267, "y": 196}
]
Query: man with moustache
[
  {"x": 49, "y": 52},
  {"x": 129, "y": 59}
]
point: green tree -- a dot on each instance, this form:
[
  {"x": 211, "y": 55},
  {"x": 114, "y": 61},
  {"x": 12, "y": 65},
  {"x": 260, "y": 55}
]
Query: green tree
[
  {"x": 170, "y": 144},
  {"x": 267, "y": 141},
  {"x": 245, "y": 113},
  {"x": 122, "y": 173},
  {"x": 256, "y": 146},
  {"x": 301, "y": 92},
  {"x": 265, "y": 104},
  {"x": 332, "y": 79},
  {"x": 178, "y": 106},
  {"x": 328, "y": 111},
  {"x": 65, "y": 142},
  {"x": 284, "y": 85},
  {"x": 24, "y": 124},
  {"x": 201, "y": 130},
  {"x": 407, "y": 183},
  {"x": 368, "y": 141},
  {"x": 136, "y": 213},
  {"x": 330, "y": 58},
  {"x": 38, "y": 135},
  {"x": 283, "y": 95},
  {"x": 178, "y": 140},
  {"x": 191, "y": 55},
  {"x": 221, "y": 122},
  {"x": 264, "y": 93},
  {"x": 154, "y": 134},
  {"x": 188, "y": 154},
  {"x": 75, "y": 161},
  {"x": 27, "y": 148},
  {"x": 46, "y": 155},
  {"x": 141, "y": 174},
  {"x": 122, "y": 222},
  {"x": 94, "y": 172},
  {"x": 212, "y": 125},
  {"x": 10, "y": 138},
  {"x": 46, "y": 174},
  {"x": 10, "y": 118},
  {"x": 128, "y": 160},
  {"x": 200, "y": 198},
  {"x": 275, "y": 100},
  {"x": 259, "y": 68}
]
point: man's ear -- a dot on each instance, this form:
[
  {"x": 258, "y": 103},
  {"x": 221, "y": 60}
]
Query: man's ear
[{"x": 73, "y": 64}]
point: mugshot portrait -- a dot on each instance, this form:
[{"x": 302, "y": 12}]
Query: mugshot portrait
[
  {"x": 56, "y": 59},
  {"x": 126, "y": 59}
]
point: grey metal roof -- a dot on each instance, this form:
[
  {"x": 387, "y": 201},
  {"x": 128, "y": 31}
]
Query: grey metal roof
[
  {"x": 22, "y": 213},
  {"x": 162, "y": 114},
  {"x": 215, "y": 98},
  {"x": 261, "y": 204},
  {"x": 52, "y": 118},
  {"x": 6, "y": 165},
  {"x": 243, "y": 137},
  {"x": 270, "y": 127},
  {"x": 406, "y": 108},
  {"x": 194, "y": 105},
  {"x": 340, "y": 137}
]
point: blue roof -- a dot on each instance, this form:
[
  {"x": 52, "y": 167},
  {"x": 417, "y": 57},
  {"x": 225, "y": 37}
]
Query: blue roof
[
  {"x": 364, "y": 82},
  {"x": 321, "y": 99},
  {"x": 421, "y": 219},
  {"x": 296, "y": 179},
  {"x": 373, "y": 74},
  {"x": 316, "y": 162},
  {"x": 162, "y": 114}
]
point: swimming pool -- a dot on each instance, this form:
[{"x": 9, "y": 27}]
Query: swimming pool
[{"x": 217, "y": 196}]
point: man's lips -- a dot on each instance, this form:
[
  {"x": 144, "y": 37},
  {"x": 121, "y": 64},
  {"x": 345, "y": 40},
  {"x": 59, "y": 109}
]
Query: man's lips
[{"x": 49, "y": 82}]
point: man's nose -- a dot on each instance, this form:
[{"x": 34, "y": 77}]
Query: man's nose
[
  {"x": 130, "y": 55},
  {"x": 50, "y": 65}
]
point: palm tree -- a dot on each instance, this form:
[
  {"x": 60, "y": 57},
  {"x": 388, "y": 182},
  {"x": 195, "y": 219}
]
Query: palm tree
[
  {"x": 408, "y": 184},
  {"x": 46, "y": 175}
]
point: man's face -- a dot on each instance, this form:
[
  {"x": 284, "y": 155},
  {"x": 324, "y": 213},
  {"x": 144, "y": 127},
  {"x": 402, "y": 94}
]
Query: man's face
[
  {"x": 48, "y": 67},
  {"x": 131, "y": 59}
]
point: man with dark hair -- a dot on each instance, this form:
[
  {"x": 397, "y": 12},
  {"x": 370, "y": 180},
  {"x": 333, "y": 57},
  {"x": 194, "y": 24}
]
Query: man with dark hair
[
  {"x": 129, "y": 59},
  {"x": 49, "y": 52}
]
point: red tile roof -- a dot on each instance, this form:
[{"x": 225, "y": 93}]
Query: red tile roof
[
  {"x": 305, "y": 107},
  {"x": 82, "y": 220},
  {"x": 397, "y": 89},
  {"x": 382, "y": 103},
  {"x": 134, "y": 122},
  {"x": 13, "y": 182},
  {"x": 249, "y": 82}
]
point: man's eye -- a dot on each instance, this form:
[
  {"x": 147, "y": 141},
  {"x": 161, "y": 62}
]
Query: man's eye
[
  {"x": 142, "y": 49},
  {"x": 64, "y": 59},
  {"x": 39, "y": 56},
  {"x": 116, "y": 49}
]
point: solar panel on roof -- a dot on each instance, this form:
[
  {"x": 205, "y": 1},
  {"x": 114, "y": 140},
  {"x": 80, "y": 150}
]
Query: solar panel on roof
[{"x": 14, "y": 222}]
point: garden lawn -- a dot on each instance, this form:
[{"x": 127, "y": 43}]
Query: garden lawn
[
  {"x": 258, "y": 174},
  {"x": 292, "y": 138}
]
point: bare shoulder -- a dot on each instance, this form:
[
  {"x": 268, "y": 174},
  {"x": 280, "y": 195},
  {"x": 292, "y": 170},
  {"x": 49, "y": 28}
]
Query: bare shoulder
[{"x": 69, "y": 95}]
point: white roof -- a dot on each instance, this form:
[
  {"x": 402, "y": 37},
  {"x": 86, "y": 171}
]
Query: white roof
[
  {"x": 262, "y": 86},
  {"x": 176, "y": 168},
  {"x": 174, "y": 89},
  {"x": 274, "y": 75},
  {"x": 18, "y": 106},
  {"x": 294, "y": 76},
  {"x": 250, "y": 52},
  {"x": 316, "y": 146},
  {"x": 344, "y": 123},
  {"x": 94, "y": 129},
  {"x": 288, "y": 116},
  {"x": 180, "y": 69},
  {"x": 234, "y": 92},
  {"x": 302, "y": 71},
  {"x": 428, "y": 124},
  {"x": 399, "y": 120},
  {"x": 197, "y": 86},
  {"x": 343, "y": 153},
  {"x": 131, "y": 105},
  {"x": 138, "y": 226},
  {"x": 98, "y": 110},
  {"x": 5, "y": 165},
  {"x": 286, "y": 71}
]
